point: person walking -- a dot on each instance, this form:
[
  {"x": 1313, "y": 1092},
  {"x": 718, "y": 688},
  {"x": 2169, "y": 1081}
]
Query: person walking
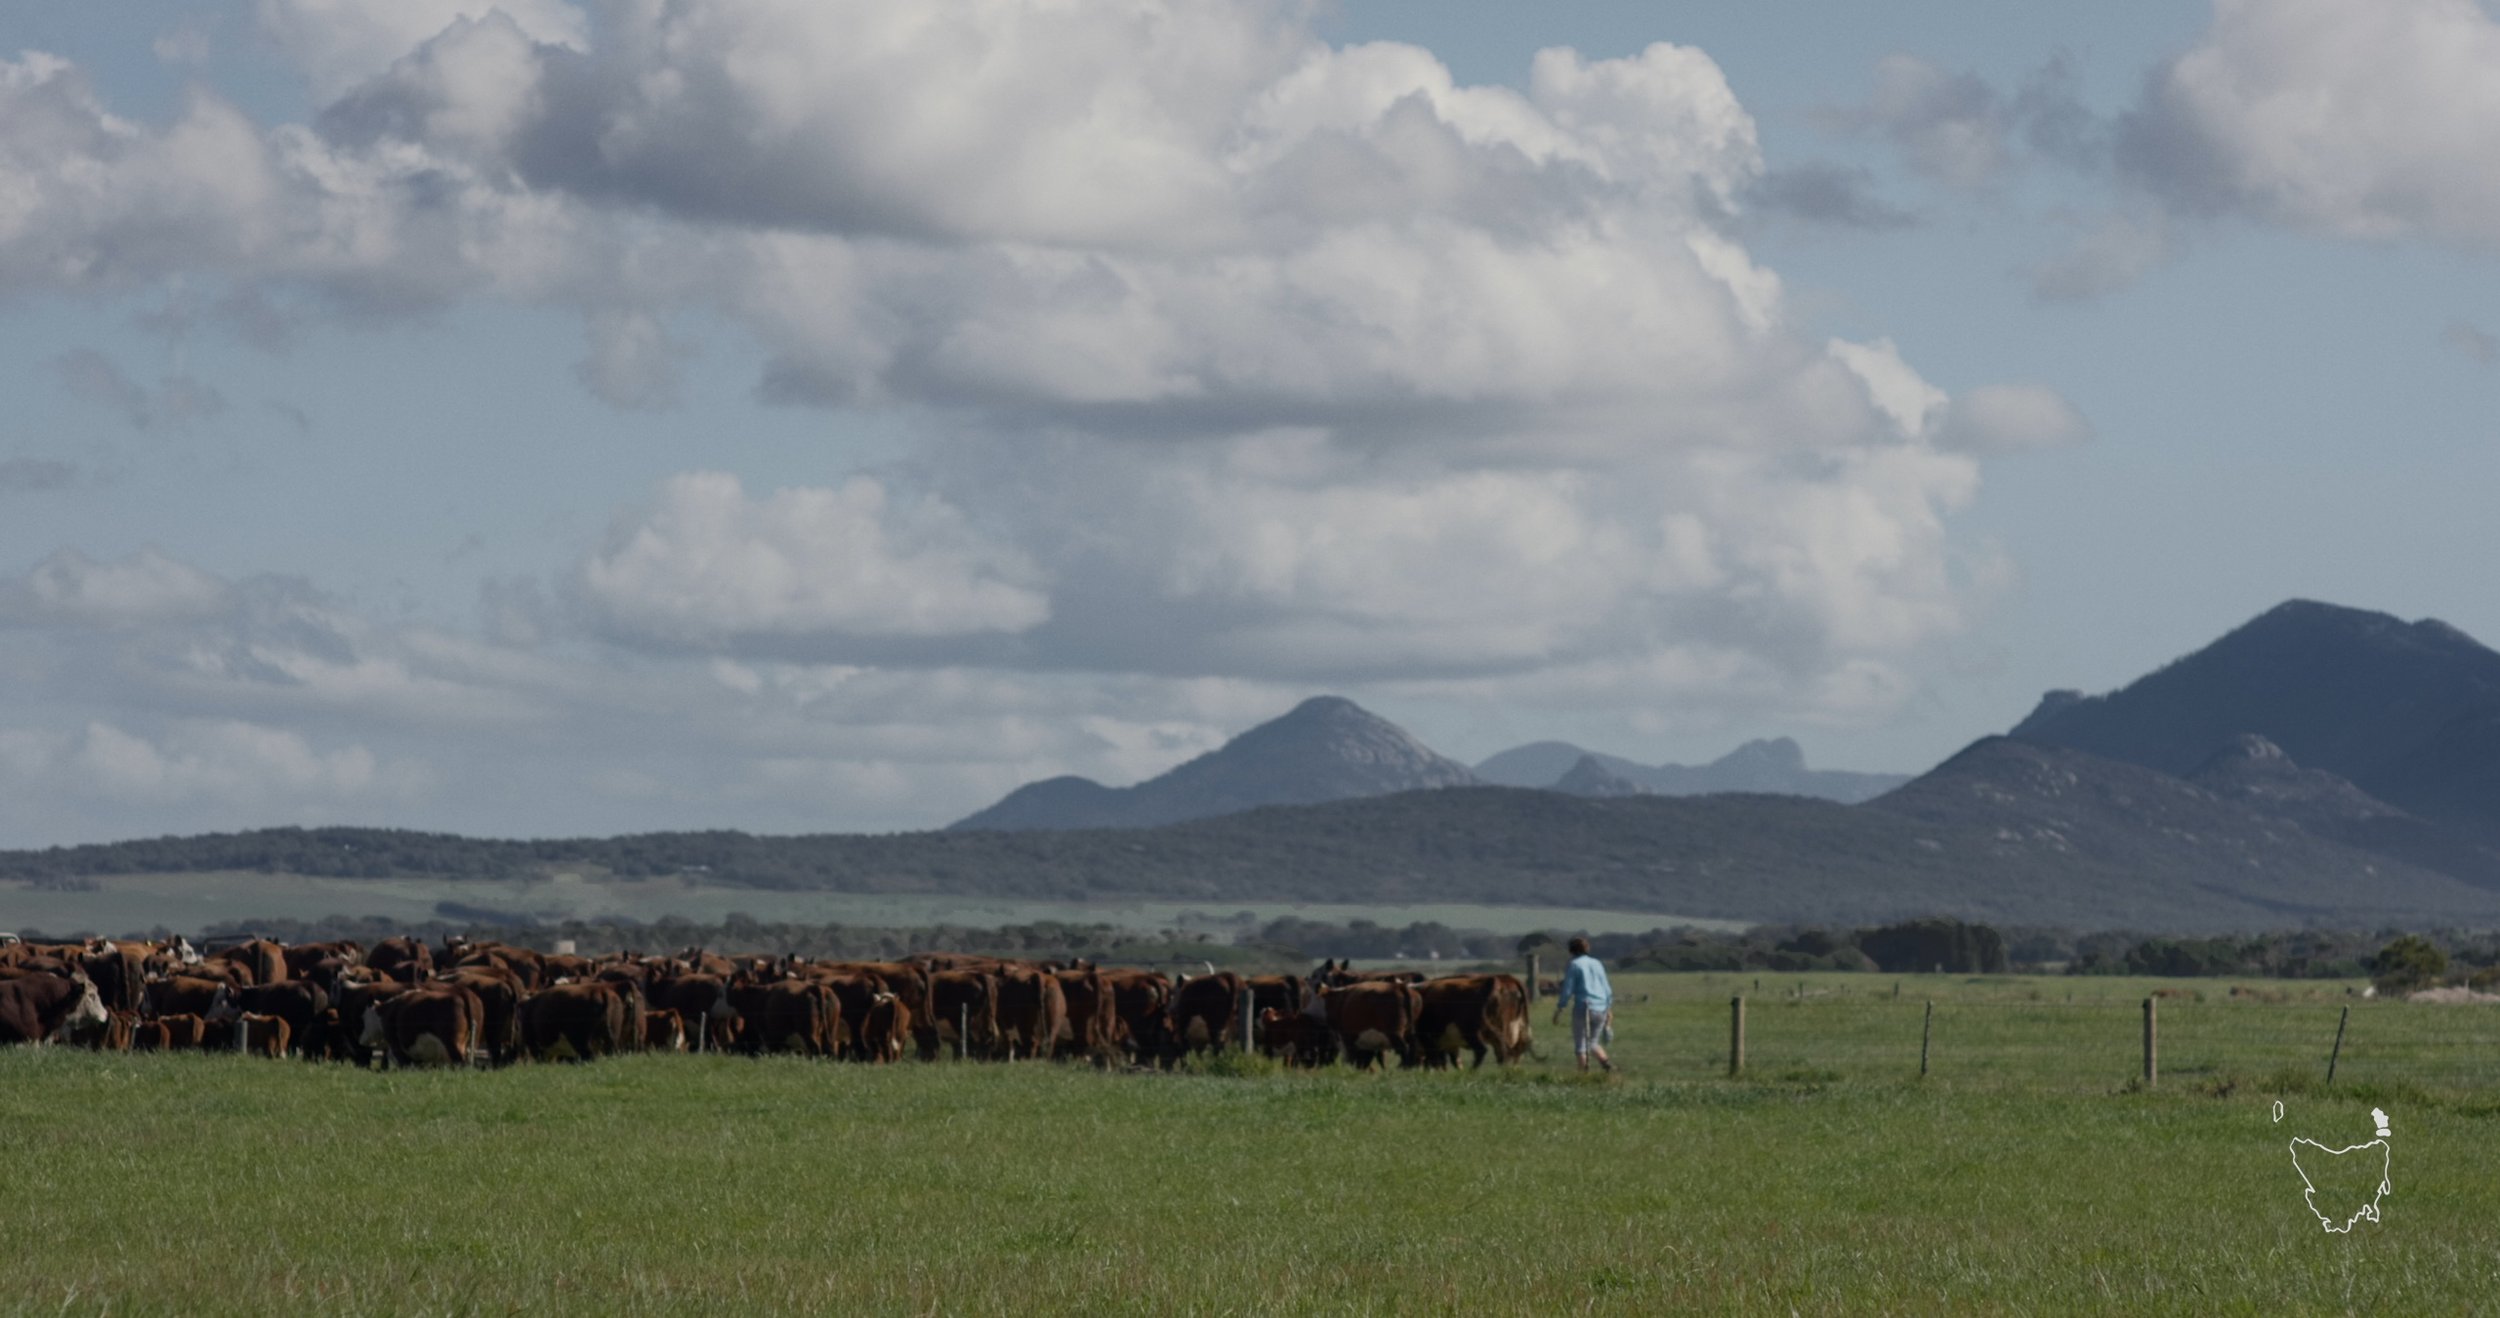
[{"x": 1591, "y": 1001}]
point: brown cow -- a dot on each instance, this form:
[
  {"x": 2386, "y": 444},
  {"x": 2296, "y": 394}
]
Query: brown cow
[
  {"x": 303, "y": 958},
  {"x": 1094, "y": 1028},
  {"x": 963, "y": 1010},
  {"x": 798, "y": 1016},
  {"x": 1142, "y": 999},
  {"x": 663, "y": 1030},
  {"x": 1480, "y": 1013},
  {"x": 120, "y": 975},
  {"x": 188, "y": 994},
  {"x": 299, "y": 1003},
  {"x": 150, "y": 1037},
  {"x": 114, "y": 1037},
  {"x": 435, "y": 1024},
  {"x": 883, "y": 1030},
  {"x": 1296, "y": 1038},
  {"x": 1372, "y": 1019},
  {"x": 1032, "y": 1012},
  {"x": 499, "y": 992},
  {"x": 357, "y": 999},
  {"x": 185, "y": 1031},
  {"x": 262, "y": 961},
  {"x": 702, "y": 999},
  {"x": 856, "y": 994},
  {"x": 576, "y": 1022},
  {"x": 39, "y": 1008},
  {"x": 266, "y": 1036},
  {"x": 404, "y": 959},
  {"x": 1206, "y": 1013}
]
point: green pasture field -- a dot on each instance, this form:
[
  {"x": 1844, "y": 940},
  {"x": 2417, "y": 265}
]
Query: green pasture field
[{"x": 2026, "y": 1174}]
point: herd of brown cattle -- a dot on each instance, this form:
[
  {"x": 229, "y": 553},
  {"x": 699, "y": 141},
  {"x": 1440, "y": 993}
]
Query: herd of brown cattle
[{"x": 406, "y": 1002}]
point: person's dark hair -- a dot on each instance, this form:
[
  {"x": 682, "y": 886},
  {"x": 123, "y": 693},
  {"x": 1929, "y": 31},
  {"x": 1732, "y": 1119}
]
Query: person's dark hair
[{"x": 1579, "y": 947}]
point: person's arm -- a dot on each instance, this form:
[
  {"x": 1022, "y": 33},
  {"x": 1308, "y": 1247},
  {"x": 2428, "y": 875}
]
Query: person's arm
[{"x": 1570, "y": 989}]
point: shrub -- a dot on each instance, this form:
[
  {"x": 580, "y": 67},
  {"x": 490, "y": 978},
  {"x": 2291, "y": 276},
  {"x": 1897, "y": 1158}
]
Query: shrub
[{"x": 2409, "y": 963}]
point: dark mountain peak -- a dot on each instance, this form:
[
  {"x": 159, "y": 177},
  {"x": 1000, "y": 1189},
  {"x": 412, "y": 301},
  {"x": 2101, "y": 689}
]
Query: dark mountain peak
[
  {"x": 2317, "y": 623},
  {"x": 1776, "y": 755},
  {"x": 1325, "y": 749},
  {"x": 1588, "y": 777},
  {"x": 2357, "y": 694}
]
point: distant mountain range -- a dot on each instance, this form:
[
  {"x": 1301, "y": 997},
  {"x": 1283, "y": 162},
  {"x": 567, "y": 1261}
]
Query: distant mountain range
[
  {"x": 2318, "y": 766},
  {"x": 1777, "y": 765},
  {"x": 1326, "y": 749},
  {"x": 1330, "y": 749}
]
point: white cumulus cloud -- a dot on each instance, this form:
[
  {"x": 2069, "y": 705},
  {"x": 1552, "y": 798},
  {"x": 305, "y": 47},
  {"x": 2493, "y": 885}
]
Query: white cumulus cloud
[{"x": 706, "y": 562}]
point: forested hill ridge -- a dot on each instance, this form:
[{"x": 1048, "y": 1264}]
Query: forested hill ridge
[
  {"x": 1999, "y": 833},
  {"x": 2409, "y": 712}
]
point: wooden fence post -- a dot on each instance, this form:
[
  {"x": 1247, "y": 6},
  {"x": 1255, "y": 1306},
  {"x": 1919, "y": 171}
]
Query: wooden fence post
[
  {"x": 2152, "y": 1051},
  {"x": 1247, "y": 1010},
  {"x": 2337, "y": 1055},
  {"x": 1532, "y": 979},
  {"x": 1926, "y": 1031},
  {"x": 963, "y": 1031},
  {"x": 1735, "y": 1034}
]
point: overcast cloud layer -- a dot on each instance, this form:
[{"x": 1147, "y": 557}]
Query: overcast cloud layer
[{"x": 1242, "y": 366}]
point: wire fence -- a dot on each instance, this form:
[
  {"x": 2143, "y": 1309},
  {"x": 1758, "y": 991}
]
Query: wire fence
[{"x": 2096, "y": 1043}]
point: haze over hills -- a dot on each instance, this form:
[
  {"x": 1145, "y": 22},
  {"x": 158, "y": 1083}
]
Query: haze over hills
[
  {"x": 2408, "y": 712},
  {"x": 1325, "y": 749},
  {"x": 2004, "y": 832},
  {"x": 1774, "y": 765}
]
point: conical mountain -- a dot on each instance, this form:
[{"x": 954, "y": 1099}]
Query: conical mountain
[
  {"x": 2397, "y": 708},
  {"x": 1325, "y": 749}
]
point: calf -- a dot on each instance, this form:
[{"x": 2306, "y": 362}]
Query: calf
[
  {"x": 185, "y": 1032},
  {"x": 1296, "y": 1039},
  {"x": 663, "y": 1030},
  {"x": 266, "y": 1036}
]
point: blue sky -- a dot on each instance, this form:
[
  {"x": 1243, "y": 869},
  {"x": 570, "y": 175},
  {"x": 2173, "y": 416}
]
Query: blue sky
[{"x": 582, "y": 417}]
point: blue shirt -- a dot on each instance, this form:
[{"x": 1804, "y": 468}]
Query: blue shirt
[{"x": 1585, "y": 981}]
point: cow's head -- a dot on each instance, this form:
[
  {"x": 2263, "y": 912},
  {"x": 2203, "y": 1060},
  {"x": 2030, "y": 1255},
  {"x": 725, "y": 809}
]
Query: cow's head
[
  {"x": 221, "y": 1007},
  {"x": 369, "y": 1033},
  {"x": 89, "y": 1011}
]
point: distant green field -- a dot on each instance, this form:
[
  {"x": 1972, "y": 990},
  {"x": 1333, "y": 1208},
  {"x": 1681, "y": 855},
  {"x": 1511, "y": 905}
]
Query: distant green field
[
  {"x": 2022, "y": 1176},
  {"x": 133, "y": 903}
]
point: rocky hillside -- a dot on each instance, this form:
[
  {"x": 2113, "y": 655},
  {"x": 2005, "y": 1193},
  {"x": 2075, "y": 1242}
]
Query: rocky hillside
[{"x": 2407, "y": 712}]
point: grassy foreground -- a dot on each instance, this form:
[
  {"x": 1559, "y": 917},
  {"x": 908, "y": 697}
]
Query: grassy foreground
[{"x": 664, "y": 1184}]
